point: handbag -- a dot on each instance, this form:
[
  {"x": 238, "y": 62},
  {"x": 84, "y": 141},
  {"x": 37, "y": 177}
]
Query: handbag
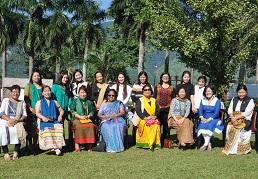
[
  {"x": 135, "y": 119},
  {"x": 101, "y": 147},
  {"x": 168, "y": 143}
]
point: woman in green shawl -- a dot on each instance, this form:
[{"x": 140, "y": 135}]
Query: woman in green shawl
[
  {"x": 32, "y": 93},
  {"x": 84, "y": 130}
]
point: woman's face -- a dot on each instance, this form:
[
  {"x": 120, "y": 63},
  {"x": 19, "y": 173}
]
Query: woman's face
[
  {"x": 208, "y": 93},
  {"x": 46, "y": 93},
  {"x": 111, "y": 96},
  {"x": 186, "y": 78},
  {"x": 242, "y": 94},
  {"x": 65, "y": 79},
  {"x": 121, "y": 78},
  {"x": 82, "y": 94},
  {"x": 99, "y": 78},
  {"x": 181, "y": 93},
  {"x": 35, "y": 77},
  {"x": 147, "y": 92},
  {"x": 165, "y": 78},
  {"x": 78, "y": 76},
  {"x": 143, "y": 79},
  {"x": 201, "y": 83},
  {"x": 15, "y": 93}
]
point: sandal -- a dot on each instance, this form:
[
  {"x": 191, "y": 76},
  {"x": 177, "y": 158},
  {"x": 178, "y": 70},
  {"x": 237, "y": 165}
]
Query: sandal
[
  {"x": 77, "y": 150},
  {"x": 7, "y": 157},
  {"x": 58, "y": 152},
  {"x": 15, "y": 155},
  {"x": 203, "y": 148}
]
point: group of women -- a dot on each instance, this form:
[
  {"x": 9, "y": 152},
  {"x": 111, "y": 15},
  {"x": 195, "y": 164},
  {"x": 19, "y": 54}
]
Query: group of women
[{"x": 102, "y": 108}]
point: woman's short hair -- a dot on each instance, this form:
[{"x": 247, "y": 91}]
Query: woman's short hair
[
  {"x": 84, "y": 88},
  {"x": 202, "y": 77},
  {"x": 140, "y": 74},
  {"x": 145, "y": 86},
  {"x": 241, "y": 86},
  {"x": 169, "y": 78},
  {"x": 44, "y": 87},
  {"x": 212, "y": 89},
  {"x": 181, "y": 87},
  {"x": 15, "y": 87},
  {"x": 40, "y": 78}
]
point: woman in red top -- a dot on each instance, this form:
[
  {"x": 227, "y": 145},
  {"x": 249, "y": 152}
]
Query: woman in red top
[{"x": 164, "y": 92}]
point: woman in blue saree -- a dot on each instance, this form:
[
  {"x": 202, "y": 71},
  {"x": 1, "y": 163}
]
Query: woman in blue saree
[{"x": 112, "y": 124}]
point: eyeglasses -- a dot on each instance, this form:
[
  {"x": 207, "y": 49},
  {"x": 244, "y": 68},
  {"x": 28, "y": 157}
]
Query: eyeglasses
[
  {"x": 147, "y": 90},
  {"x": 111, "y": 95}
]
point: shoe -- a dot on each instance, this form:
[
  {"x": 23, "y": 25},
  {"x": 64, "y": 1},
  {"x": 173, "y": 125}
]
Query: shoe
[
  {"x": 183, "y": 148},
  {"x": 77, "y": 150},
  {"x": 58, "y": 152},
  {"x": 89, "y": 150},
  {"x": 209, "y": 147},
  {"x": 7, "y": 157},
  {"x": 203, "y": 148},
  {"x": 15, "y": 156}
]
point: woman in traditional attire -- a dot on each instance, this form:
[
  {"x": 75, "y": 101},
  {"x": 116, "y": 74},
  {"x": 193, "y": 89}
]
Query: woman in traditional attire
[
  {"x": 112, "y": 126},
  {"x": 179, "y": 110},
  {"x": 12, "y": 113},
  {"x": 123, "y": 90},
  {"x": 61, "y": 92},
  {"x": 209, "y": 114},
  {"x": 148, "y": 128},
  {"x": 239, "y": 128},
  {"x": 49, "y": 114},
  {"x": 84, "y": 130},
  {"x": 32, "y": 93},
  {"x": 77, "y": 76},
  {"x": 164, "y": 92}
]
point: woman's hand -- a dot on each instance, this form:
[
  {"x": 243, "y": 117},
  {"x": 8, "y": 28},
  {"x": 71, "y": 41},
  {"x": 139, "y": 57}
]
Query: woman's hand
[
  {"x": 33, "y": 110},
  {"x": 60, "y": 119},
  {"x": 84, "y": 117},
  {"x": 194, "y": 109},
  {"x": 12, "y": 122},
  {"x": 44, "y": 119},
  {"x": 203, "y": 120}
]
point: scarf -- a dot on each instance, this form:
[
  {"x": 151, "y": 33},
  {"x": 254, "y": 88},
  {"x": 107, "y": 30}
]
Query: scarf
[
  {"x": 150, "y": 108},
  {"x": 112, "y": 108},
  {"x": 83, "y": 106},
  {"x": 48, "y": 110},
  {"x": 35, "y": 96},
  {"x": 102, "y": 94}
]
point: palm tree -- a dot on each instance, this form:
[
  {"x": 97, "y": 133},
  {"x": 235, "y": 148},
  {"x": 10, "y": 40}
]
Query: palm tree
[
  {"x": 57, "y": 30},
  {"x": 87, "y": 15},
  {"x": 9, "y": 30}
]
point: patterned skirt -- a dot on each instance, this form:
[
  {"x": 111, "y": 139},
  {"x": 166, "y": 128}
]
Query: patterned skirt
[
  {"x": 85, "y": 133},
  {"x": 51, "y": 138}
]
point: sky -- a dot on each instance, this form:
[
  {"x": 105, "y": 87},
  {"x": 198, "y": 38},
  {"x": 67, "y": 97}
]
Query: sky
[{"x": 104, "y": 3}]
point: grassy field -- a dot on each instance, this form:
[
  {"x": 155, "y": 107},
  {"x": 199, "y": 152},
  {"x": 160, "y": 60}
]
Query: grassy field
[{"x": 134, "y": 163}]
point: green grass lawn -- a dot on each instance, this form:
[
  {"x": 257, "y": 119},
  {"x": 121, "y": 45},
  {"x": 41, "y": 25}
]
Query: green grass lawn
[{"x": 135, "y": 163}]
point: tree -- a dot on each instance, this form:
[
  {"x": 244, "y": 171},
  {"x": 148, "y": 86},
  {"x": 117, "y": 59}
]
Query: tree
[
  {"x": 87, "y": 16},
  {"x": 9, "y": 30},
  {"x": 128, "y": 15},
  {"x": 212, "y": 37}
]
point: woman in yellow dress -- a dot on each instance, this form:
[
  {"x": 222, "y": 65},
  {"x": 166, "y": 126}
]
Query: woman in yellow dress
[{"x": 148, "y": 129}]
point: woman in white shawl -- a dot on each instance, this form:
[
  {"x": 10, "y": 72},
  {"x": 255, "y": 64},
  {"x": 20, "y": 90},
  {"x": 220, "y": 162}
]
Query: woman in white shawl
[{"x": 13, "y": 114}]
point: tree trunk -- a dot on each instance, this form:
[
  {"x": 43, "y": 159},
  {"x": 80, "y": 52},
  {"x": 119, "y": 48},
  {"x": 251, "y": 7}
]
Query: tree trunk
[
  {"x": 192, "y": 74},
  {"x": 257, "y": 71},
  {"x": 3, "y": 63},
  {"x": 31, "y": 61},
  {"x": 58, "y": 68},
  {"x": 85, "y": 56},
  {"x": 141, "y": 52},
  {"x": 242, "y": 73},
  {"x": 166, "y": 69}
]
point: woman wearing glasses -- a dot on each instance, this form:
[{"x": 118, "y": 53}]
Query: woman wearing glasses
[
  {"x": 112, "y": 124},
  {"x": 148, "y": 130}
]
